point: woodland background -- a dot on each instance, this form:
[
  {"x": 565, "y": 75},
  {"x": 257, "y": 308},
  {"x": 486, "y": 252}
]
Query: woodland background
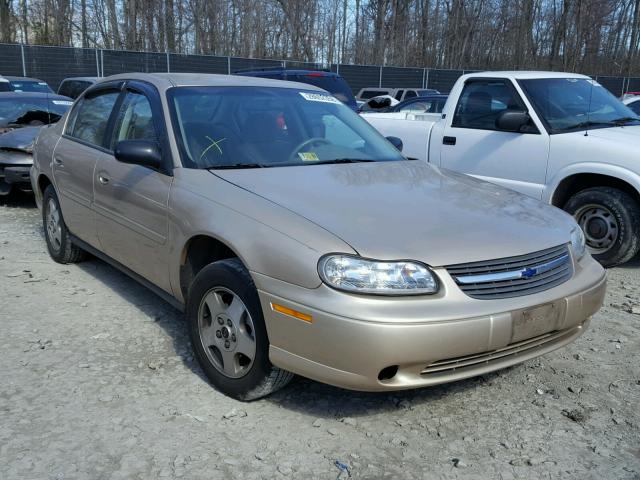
[{"x": 600, "y": 36}]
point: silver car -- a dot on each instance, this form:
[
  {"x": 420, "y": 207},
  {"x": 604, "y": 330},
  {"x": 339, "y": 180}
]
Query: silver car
[{"x": 299, "y": 241}]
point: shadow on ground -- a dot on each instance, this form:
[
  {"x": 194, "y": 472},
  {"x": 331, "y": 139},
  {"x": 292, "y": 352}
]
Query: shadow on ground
[
  {"x": 18, "y": 199},
  {"x": 303, "y": 395}
]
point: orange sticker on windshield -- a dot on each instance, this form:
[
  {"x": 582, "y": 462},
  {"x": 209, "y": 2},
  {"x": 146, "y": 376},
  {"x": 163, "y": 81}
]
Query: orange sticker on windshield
[{"x": 308, "y": 156}]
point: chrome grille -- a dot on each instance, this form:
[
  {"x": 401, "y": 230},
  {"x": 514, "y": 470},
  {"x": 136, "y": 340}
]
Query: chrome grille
[{"x": 514, "y": 276}]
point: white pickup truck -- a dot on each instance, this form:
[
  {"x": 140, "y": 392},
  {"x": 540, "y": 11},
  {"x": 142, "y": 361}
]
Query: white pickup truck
[{"x": 559, "y": 137}]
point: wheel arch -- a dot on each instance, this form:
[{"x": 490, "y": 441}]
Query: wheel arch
[
  {"x": 576, "y": 182},
  {"x": 199, "y": 251}
]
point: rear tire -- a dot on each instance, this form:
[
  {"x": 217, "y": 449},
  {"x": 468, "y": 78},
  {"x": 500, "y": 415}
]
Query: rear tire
[
  {"x": 59, "y": 243},
  {"x": 228, "y": 334},
  {"x": 610, "y": 219}
]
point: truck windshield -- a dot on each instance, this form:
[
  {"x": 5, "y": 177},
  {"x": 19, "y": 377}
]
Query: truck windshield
[
  {"x": 572, "y": 104},
  {"x": 242, "y": 127}
]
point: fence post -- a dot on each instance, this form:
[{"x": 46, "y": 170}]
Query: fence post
[
  {"x": 426, "y": 83},
  {"x": 168, "y": 67},
  {"x": 380, "y": 78},
  {"x": 337, "y": 68},
  {"x": 228, "y": 65},
  {"x": 424, "y": 73},
  {"x": 97, "y": 63},
  {"x": 24, "y": 65}
]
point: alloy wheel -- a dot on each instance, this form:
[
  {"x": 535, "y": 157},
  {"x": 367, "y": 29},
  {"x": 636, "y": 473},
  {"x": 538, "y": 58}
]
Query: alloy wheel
[
  {"x": 54, "y": 226},
  {"x": 226, "y": 332}
]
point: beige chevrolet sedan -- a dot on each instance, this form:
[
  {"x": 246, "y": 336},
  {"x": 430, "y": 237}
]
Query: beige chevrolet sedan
[{"x": 299, "y": 241}]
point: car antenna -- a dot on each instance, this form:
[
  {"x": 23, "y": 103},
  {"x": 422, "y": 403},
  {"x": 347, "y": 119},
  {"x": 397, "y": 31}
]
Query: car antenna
[{"x": 586, "y": 131}]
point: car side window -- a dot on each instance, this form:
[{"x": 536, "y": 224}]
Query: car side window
[
  {"x": 410, "y": 94},
  {"x": 92, "y": 117},
  {"x": 399, "y": 94},
  {"x": 635, "y": 106},
  {"x": 134, "y": 120},
  {"x": 421, "y": 106},
  {"x": 482, "y": 101}
]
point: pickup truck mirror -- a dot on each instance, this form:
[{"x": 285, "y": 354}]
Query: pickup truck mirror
[
  {"x": 512, "y": 120},
  {"x": 396, "y": 142},
  {"x": 139, "y": 152}
]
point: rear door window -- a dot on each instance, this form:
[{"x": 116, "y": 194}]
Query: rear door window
[
  {"x": 399, "y": 94},
  {"x": 92, "y": 118}
]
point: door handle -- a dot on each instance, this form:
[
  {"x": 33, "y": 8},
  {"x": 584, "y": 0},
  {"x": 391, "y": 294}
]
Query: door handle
[
  {"x": 102, "y": 179},
  {"x": 448, "y": 140},
  {"x": 58, "y": 161}
]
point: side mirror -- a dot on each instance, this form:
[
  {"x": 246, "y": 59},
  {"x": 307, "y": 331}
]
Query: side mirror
[
  {"x": 396, "y": 142},
  {"x": 512, "y": 120},
  {"x": 139, "y": 152}
]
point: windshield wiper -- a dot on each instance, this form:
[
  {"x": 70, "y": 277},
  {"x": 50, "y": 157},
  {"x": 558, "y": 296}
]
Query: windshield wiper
[
  {"x": 238, "y": 166},
  {"x": 624, "y": 120},
  {"x": 581, "y": 125},
  {"x": 342, "y": 160}
]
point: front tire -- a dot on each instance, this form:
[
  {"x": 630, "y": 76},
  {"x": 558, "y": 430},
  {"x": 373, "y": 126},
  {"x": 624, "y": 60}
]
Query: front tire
[
  {"x": 228, "y": 334},
  {"x": 610, "y": 219},
  {"x": 59, "y": 243}
]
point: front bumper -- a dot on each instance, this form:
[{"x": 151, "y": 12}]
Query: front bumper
[
  {"x": 14, "y": 169},
  {"x": 431, "y": 340}
]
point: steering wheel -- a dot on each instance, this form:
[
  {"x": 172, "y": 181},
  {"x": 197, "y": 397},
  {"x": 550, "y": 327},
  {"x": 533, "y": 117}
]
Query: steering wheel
[{"x": 307, "y": 143}]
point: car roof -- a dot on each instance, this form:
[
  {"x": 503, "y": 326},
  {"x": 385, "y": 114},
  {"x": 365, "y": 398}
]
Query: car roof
[
  {"x": 12, "y": 78},
  {"x": 288, "y": 71},
  {"x": 523, "y": 75},
  {"x": 50, "y": 96},
  {"x": 168, "y": 80},
  {"x": 82, "y": 79}
]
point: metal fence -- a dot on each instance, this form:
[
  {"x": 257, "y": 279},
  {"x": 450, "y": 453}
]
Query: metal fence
[{"x": 53, "y": 64}]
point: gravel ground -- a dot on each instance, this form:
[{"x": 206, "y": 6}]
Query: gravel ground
[{"x": 98, "y": 382}]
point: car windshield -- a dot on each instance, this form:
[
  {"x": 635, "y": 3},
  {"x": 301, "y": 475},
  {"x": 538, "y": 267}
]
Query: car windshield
[
  {"x": 30, "y": 86},
  {"x": 19, "y": 111},
  {"x": 571, "y": 104},
  {"x": 242, "y": 127}
]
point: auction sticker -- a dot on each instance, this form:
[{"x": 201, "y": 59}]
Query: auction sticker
[
  {"x": 319, "y": 97},
  {"x": 308, "y": 156}
]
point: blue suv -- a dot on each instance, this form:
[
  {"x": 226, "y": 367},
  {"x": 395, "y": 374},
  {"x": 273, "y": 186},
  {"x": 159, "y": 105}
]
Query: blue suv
[{"x": 329, "y": 81}]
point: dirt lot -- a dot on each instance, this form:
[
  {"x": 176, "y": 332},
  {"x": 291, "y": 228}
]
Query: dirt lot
[{"x": 98, "y": 382}]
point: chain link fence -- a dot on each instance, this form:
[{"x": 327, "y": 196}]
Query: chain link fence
[{"x": 53, "y": 64}]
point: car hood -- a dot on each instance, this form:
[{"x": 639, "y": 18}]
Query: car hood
[
  {"x": 19, "y": 139},
  {"x": 630, "y": 133},
  {"x": 410, "y": 210}
]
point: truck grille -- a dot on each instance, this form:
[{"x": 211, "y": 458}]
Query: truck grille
[{"x": 514, "y": 276}]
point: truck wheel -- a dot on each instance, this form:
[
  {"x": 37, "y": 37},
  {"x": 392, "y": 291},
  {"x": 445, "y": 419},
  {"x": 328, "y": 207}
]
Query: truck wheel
[
  {"x": 59, "y": 243},
  {"x": 610, "y": 219},
  {"x": 228, "y": 333}
]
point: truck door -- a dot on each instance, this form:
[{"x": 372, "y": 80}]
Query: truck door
[{"x": 473, "y": 144}]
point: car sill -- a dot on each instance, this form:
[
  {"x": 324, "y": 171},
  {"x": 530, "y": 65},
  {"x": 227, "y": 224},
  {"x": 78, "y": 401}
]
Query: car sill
[{"x": 105, "y": 258}]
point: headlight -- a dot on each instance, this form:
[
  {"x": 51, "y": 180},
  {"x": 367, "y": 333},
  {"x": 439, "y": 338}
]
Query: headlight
[
  {"x": 578, "y": 243},
  {"x": 358, "y": 275}
]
